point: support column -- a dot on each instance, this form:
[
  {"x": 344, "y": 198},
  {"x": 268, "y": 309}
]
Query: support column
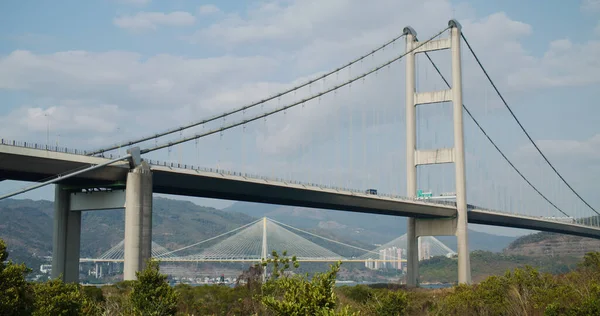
[
  {"x": 73, "y": 243},
  {"x": 412, "y": 258},
  {"x": 59, "y": 236},
  {"x": 464, "y": 265},
  {"x": 137, "y": 207},
  {"x": 146, "y": 220},
  {"x": 66, "y": 237}
]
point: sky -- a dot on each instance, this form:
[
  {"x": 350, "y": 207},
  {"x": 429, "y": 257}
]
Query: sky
[{"x": 85, "y": 74}]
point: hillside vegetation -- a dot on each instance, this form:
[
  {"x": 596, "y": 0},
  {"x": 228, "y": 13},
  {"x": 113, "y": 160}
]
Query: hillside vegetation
[
  {"x": 485, "y": 264},
  {"x": 552, "y": 244},
  {"x": 519, "y": 292},
  {"x": 26, "y": 226},
  {"x": 368, "y": 228}
]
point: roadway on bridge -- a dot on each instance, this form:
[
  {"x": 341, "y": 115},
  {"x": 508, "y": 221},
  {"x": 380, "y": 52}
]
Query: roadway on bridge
[{"x": 30, "y": 164}]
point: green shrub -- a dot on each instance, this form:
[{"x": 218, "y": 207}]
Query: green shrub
[
  {"x": 151, "y": 294},
  {"x": 93, "y": 293},
  {"x": 57, "y": 298},
  {"x": 391, "y": 303},
  {"x": 296, "y": 294},
  {"x": 359, "y": 293},
  {"x": 16, "y": 296}
]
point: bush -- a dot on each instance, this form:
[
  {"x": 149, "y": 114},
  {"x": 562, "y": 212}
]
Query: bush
[
  {"x": 151, "y": 294},
  {"x": 529, "y": 292},
  {"x": 391, "y": 303},
  {"x": 57, "y": 298},
  {"x": 93, "y": 293},
  {"x": 295, "y": 294},
  {"x": 359, "y": 293},
  {"x": 16, "y": 297}
]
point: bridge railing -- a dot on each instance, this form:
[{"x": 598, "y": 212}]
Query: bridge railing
[
  {"x": 59, "y": 149},
  {"x": 67, "y": 150},
  {"x": 294, "y": 182},
  {"x": 340, "y": 189}
]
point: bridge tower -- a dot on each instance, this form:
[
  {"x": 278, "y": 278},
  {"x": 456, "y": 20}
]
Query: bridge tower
[
  {"x": 414, "y": 157},
  {"x": 138, "y": 220}
]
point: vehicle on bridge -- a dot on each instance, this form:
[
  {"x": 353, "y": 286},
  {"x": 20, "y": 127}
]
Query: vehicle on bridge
[{"x": 371, "y": 191}]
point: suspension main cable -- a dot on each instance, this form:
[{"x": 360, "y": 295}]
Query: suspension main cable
[
  {"x": 244, "y": 108},
  {"x": 494, "y": 143},
  {"x": 523, "y": 128},
  {"x": 269, "y": 113}
]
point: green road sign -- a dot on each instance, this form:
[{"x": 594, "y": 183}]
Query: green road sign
[{"x": 421, "y": 194}]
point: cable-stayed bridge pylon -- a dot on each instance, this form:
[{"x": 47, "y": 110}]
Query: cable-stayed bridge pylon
[{"x": 246, "y": 245}]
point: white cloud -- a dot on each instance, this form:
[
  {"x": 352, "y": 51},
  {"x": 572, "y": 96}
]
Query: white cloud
[
  {"x": 208, "y": 9},
  {"x": 586, "y": 149},
  {"x": 136, "y": 2},
  {"x": 564, "y": 64},
  {"x": 125, "y": 76},
  {"x": 152, "y": 20},
  {"x": 590, "y": 5},
  {"x": 299, "y": 21},
  {"x": 67, "y": 117},
  {"x": 294, "y": 42},
  {"x": 310, "y": 37},
  {"x": 576, "y": 160}
]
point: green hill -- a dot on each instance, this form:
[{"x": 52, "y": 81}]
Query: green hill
[
  {"x": 26, "y": 226},
  {"x": 551, "y": 244},
  {"x": 484, "y": 264}
]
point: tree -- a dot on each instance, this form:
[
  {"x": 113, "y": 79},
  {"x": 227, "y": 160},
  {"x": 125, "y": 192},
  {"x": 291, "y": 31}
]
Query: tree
[
  {"x": 391, "y": 303},
  {"x": 295, "y": 294},
  {"x": 16, "y": 297},
  {"x": 58, "y": 298},
  {"x": 591, "y": 261},
  {"x": 151, "y": 294}
]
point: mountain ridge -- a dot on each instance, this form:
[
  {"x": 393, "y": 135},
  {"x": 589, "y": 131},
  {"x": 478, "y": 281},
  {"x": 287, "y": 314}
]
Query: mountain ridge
[
  {"x": 26, "y": 225},
  {"x": 371, "y": 228}
]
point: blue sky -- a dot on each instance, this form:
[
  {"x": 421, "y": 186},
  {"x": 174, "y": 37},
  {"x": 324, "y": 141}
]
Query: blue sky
[{"x": 104, "y": 71}]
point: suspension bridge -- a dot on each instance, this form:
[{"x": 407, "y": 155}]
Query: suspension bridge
[
  {"x": 256, "y": 241},
  {"x": 348, "y": 139}
]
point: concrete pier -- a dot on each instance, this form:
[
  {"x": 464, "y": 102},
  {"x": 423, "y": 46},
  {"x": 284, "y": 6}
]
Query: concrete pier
[{"x": 138, "y": 212}]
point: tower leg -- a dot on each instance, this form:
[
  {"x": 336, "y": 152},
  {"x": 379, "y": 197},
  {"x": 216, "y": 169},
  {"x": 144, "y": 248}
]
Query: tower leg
[
  {"x": 138, "y": 210},
  {"x": 412, "y": 267},
  {"x": 464, "y": 265},
  {"x": 412, "y": 254}
]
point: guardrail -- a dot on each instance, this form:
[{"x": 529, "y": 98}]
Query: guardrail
[
  {"x": 58, "y": 149},
  {"x": 33, "y": 145},
  {"x": 295, "y": 182}
]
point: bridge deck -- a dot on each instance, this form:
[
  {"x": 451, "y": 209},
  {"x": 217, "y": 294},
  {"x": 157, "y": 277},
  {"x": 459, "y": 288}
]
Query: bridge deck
[{"x": 30, "y": 164}]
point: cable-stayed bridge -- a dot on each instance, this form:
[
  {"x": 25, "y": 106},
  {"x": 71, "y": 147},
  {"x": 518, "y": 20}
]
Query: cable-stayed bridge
[
  {"x": 254, "y": 241},
  {"x": 346, "y": 140}
]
